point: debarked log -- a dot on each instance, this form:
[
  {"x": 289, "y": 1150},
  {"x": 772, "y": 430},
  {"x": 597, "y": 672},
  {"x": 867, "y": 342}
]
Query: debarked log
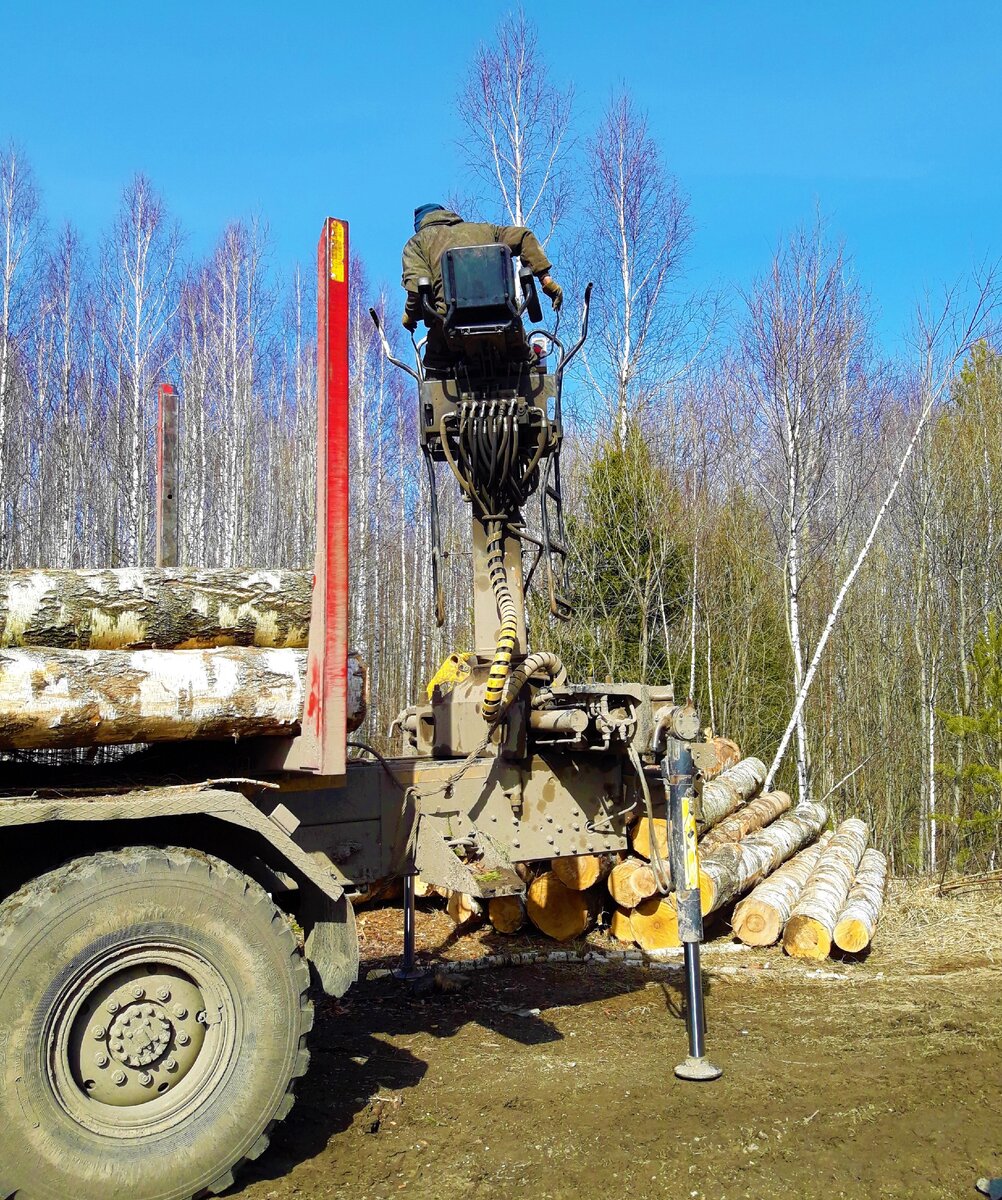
[
  {"x": 809, "y": 931},
  {"x": 51, "y": 699},
  {"x": 857, "y": 921},
  {"x": 135, "y": 608},
  {"x": 732, "y": 869},
  {"x": 759, "y": 919},
  {"x": 732, "y": 788}
]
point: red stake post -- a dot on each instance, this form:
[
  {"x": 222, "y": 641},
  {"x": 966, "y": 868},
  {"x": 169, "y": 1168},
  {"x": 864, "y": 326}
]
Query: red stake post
[{"x": 321, "y": 744}]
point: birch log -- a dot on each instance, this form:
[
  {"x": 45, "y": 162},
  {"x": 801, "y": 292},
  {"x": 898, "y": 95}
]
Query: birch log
[
  {"x": 751, "y": 816},
  {"x": 557, "y": 910},
  {"x": 58, "y": 698},
  {"x": 647, "y": 830},
  {"x": 136, "y": 608},
  {"x": 759, "y": 919},
  {"x": 464, "y": 910},
  {"x": 732, "y": 869},
  {"x": 582, "y": 871},
  {"x": 506, "y": 913},
  {"x": 721, "y": 796},
  {"x": 654, "y": 924},
  {"x": 857, "y": 921},
  {"x": 631, "y": 881},
  {"x": 619, "y": 925},
  {"x": 809, "y": 930},
  {"x": 727, "y": 754}
]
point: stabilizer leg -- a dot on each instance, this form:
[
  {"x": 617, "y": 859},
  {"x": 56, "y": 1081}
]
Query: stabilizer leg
[{"x": 677, "y": 768}]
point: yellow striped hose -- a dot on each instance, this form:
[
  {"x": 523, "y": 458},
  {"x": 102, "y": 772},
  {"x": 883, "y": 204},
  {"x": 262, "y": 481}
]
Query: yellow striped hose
[{"x": 508, "y": 633}]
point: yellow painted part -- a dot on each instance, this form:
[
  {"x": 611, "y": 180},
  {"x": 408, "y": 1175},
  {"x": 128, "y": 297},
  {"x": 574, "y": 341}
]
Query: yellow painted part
[
  {"x": 689, "y": 834},
  {"x": 454, "y": 670},
  {"x": 500, "y": 669}
]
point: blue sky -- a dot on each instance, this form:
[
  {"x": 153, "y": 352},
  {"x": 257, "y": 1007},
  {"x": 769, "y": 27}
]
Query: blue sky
[{"x": 888, "y": 116}]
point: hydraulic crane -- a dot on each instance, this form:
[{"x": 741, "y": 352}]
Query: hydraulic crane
[{"x": 154, "y": 998}]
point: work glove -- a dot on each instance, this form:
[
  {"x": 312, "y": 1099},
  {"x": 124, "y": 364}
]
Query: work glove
[
  {"x": 409, "y": 322},
  {"x": 554, "y": 291}
]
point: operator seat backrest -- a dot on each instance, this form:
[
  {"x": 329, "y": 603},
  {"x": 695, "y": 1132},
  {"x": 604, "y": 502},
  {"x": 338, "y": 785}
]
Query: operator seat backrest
[{"x": 478, "y": 286}]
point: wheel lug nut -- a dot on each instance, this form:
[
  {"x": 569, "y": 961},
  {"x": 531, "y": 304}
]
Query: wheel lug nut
[
  {"x": 118, "y": 1045},
  {"x": 138, "y": 992},
  {"x": 170, "y": 1064},
  {"x": 101, "y": 1060},
  {"x": 163, "y": 993},
  {"x": 183, "y": 1039},
  {"x": 179, "y": 1011},
  {"x": 146, "y": 1079},
  {"x": 98, "y": 1032},
  {"x": 119, "y": 1077},
  {"x": 201, "y": 1017},
  {"x": 113, "y": 1006}
]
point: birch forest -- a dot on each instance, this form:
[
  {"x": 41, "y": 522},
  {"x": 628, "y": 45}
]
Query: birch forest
[{"x": 750, "y": 473}]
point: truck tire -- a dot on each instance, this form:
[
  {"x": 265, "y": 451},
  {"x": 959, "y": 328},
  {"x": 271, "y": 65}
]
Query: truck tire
[{"x": 153, "y": 1018}]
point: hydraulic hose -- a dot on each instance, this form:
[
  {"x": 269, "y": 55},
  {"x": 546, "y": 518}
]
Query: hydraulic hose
[{"x": 508, "y": 633}]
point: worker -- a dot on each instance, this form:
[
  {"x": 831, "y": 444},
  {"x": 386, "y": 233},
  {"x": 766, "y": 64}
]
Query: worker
[{"x": 436, "y": 230}]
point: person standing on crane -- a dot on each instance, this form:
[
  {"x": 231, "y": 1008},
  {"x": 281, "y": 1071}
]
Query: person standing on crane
[{"x": 436, "y": 230}]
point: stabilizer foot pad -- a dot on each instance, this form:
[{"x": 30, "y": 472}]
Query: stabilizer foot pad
[{"x": 699, "y": 1069}]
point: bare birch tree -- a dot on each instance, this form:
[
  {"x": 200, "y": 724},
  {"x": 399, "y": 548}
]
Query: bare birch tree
[{"x": 518, "y": 126}]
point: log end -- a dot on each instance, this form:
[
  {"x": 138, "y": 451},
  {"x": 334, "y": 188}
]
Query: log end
[
  {"x": 655, "y": 924},
  {"x": 578, "y": 873},
  {"x": 619, "y": 925},
  {"x": 557, "y": 910},
  {"x": 756, "y": 924},
  {"x": 806, "y": 938},
  {"x": 506, "y": 914},
  {"x": 851, "y": 936}
]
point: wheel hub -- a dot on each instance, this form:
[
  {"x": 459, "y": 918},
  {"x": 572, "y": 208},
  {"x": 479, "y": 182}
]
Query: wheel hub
[{"x": 138, "y": 1035}]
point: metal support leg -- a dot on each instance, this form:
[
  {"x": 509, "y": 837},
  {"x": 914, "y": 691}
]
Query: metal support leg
[
  {"x": 408, "y": 963},
  {"x": 677, "y": 768}
]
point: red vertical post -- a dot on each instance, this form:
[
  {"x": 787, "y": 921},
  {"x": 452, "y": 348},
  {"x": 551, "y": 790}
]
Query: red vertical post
[
  {"x": 320, "y": 746},
  {"x": 167, "y": 477}
]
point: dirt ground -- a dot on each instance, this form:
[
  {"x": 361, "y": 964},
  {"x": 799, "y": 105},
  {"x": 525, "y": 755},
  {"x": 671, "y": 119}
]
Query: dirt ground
[{"x": 874, "y": 1078}]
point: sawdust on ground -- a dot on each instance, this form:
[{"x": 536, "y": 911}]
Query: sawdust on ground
[{"x": 871, "y": 1078}]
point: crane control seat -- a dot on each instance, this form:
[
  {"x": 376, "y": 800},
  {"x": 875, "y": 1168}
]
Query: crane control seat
[{"x": 489, "y": 358}]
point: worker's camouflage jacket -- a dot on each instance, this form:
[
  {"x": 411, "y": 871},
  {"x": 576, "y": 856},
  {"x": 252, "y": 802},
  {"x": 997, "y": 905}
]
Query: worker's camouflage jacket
[{"x": 442, "y": 230}]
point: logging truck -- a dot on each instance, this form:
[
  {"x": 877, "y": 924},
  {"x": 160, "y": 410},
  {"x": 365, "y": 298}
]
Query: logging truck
[{"x": 183, "y": 822}]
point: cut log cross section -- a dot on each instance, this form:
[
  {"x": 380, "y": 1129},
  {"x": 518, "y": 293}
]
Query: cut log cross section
[
  {"x": 811, "y": 926},
  {"x": 857, "y": 921}
]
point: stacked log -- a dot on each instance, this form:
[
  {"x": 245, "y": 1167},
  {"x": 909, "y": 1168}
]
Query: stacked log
[
  {"x": 811, "y": 927},
  {"x": 725, "y": 754},
  {"x": 507, "y": 913},
  {"x": 731, "y": 788},
  {"x": 759, "y": 919},
  {"x": 753, "y": 815},
  {"x": 631, "y": 882},
  {"x": 731, "y": 869},
  {"x": 858, "y": 919},
  {"x": 51, "y": 698},
  {"x": 557, "y": 910},
  {"x": 164, "y": 608},
  {"x": 583, "y": 871}
]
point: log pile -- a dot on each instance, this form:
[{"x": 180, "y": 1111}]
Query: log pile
[
  {"x": 786, "y": 876},
  {"x": 92, "y": 658}
]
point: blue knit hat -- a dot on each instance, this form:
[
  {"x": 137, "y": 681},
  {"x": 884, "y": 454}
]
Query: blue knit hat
[{"x": 422, "y": 212}]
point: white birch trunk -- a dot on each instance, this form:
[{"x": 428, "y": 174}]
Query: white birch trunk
[
  {"x": 756, "y": 814},
  {"x": 721, "y": 796},
  {"x": 163, "y": 608}
]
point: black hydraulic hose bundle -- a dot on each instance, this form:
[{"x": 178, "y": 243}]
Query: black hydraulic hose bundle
[{"x": 483, "y": 445}]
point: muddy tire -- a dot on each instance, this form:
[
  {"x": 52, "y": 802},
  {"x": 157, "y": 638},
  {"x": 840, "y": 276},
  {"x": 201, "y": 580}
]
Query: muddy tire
[{"x": 153, "y": 1017}]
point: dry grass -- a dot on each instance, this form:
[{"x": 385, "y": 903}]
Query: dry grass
[{"x": 919, "y": 926}]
